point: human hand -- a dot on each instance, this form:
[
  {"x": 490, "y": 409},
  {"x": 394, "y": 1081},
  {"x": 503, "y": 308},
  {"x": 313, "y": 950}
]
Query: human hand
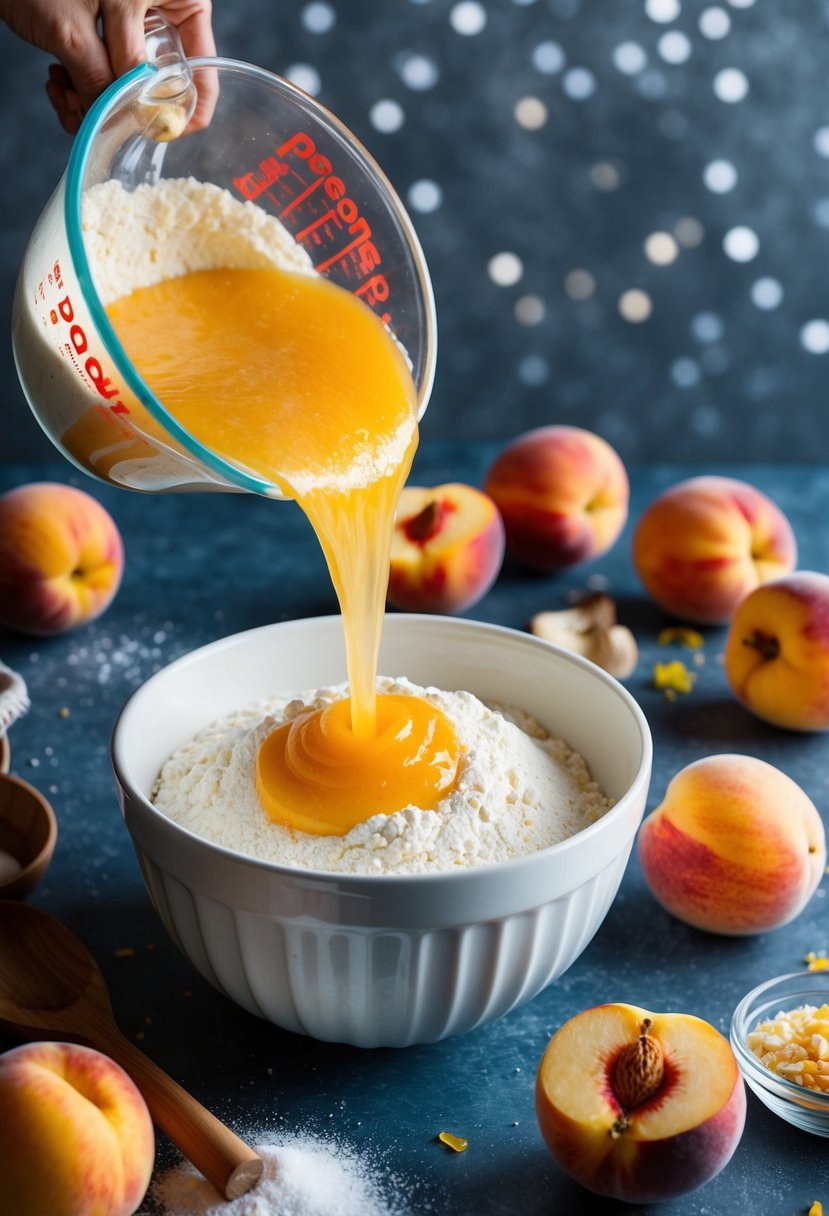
[{"x": 96, "y": 41}]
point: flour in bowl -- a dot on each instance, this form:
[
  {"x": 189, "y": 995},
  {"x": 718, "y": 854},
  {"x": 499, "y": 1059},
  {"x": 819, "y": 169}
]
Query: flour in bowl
[{"x": 520, "y": 790}]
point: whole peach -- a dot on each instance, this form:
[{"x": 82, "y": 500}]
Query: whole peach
[
  {"x": 77, "y": 1136},
  {"x": 563, "y": 493},
  {"x": 640, "y": 1106},
  {"x": 61, "y": 558},
  {"x": 777, "y": 651},
  {"x": 447, "y": 548},
  {"x": 706, "y": 542},
  {"x": 736, "y": 846}
]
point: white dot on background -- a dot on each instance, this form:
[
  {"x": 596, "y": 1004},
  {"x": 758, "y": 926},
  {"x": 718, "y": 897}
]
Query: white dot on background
[
  {"x": 651, "y": 84},
  {"x": 674, "y": 47},
  {"x": 661, "y": 249},
  {"x": 468, "y": 17},
  {"x": 529, "y": 310},
  {"x": 548, "y": 58},
  {"x": 707, "y": 327},
  {"x": 663, "y": 11},
  {"x": 720, "y": 176},
  {"x": 730, "y": 85},
  {"x": 821, "y": 141},
  {"x": 425, "y": 196},
  {"x": 767, "y": 293},
  {"x": 629, "y": 58},
  {"x": 814, "y": 337},
  {"x": 685, "y": 372},
  {"x": 305, "y": 77},
  {"x": 689, "y": 232},
  {"x": 318, "y": 18},
  {"x": 672, "y": 124},
  {"x": 530, "y": 113},
  {"x": 741, "y": 3},
  {"x": 741, "y": 244},
  {"x": 533, "y": 371},
  {"x": 386, "y": 116},
  {"x": 579, "y": 84},
  {"x": 579, "y": 284},
  {"x": 605, "y": 176},
  {"x": 635, "y": 305},
  {"x": 706, "y": 420},
  {"x": 714, "y": 23},
  {"x": 417, "y": 72},
  {"x": 505, "y": 269}
]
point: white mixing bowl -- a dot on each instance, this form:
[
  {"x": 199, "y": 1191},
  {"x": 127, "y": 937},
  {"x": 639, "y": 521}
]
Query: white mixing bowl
[{"x": 383, "y": 960}]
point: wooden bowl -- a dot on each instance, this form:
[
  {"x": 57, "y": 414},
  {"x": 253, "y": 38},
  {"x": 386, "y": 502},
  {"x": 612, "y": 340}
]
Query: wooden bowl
[{"x": 28, "y": 831}]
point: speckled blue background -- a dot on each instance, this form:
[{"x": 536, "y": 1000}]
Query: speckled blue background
[{"x": 625, "y": 206}]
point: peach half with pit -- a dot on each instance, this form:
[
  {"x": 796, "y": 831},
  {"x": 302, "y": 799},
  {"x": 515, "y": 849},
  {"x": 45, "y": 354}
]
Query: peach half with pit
[
  {"x": 640, "y": 1106},
  {"x": 736, "y": 846},
  {"x": 563, "y": 493},
  {"x": 706, "y": 542},
  {"x": 777, "y": 651},
  {"x": 61, "y": 558},
  {"x": 447, "y": 548},
  {"x": 77, "y": 1136}
]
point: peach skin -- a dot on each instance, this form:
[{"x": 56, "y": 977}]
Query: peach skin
[
  {"x": 61, "y": 558},
  {"x": 705, "y": 543},
  {"x": 736, "y": 846},
  {"x": 563, "y": 493},
  {"x": 639, "y": 1106},
  {"x": 77, "y": 1136},
  {"x": 447, "y": 548},
  {"x": 777, "y": 652}
]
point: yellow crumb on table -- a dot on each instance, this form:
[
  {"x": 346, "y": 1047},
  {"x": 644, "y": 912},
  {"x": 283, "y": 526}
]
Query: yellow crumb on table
[
  {"x": 681, "y": 634},
  {"x": 124, "y": 952},
  {"x": 816, "y": 1209},
  {"x": 816, "y": 962},
  {"x": 458, "y": 1144},
  {"x": 673, "y": 677},
  {"x": 795, "y": 1045}
]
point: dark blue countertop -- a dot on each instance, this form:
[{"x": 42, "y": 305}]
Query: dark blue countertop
[{"x": 202, "y": 567}]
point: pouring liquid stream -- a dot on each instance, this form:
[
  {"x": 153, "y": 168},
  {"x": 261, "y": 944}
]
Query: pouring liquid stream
[{"x": 295, "y": 379}]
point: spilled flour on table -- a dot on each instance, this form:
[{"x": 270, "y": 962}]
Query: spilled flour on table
[{"x": 303, "y": 1176}]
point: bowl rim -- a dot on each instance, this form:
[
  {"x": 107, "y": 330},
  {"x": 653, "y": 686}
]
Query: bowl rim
[
  {"x": 751, "y": 1066},
  {"x": 455, "y": 876}
]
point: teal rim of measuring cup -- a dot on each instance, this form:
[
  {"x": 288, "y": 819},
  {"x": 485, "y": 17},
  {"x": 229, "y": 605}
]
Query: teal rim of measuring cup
[{"x": 78, "y": 159}]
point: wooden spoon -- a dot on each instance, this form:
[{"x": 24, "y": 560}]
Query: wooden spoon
[{"x": 51, "y": 987}]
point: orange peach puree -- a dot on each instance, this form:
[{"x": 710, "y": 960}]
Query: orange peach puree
[{"x": 296, "y": 380}]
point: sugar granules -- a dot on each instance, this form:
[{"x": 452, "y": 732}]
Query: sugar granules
[{"x": 303, "y": 1176}]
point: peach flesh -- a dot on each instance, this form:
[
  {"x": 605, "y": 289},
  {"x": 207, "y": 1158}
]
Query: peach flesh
[
  {"x": 447, "y": 548},
  {"x": 682, "y": 1133}
]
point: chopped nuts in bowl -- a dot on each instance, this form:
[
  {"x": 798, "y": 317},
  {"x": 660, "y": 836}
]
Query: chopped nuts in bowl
[{"x": 780, "y": 1036}]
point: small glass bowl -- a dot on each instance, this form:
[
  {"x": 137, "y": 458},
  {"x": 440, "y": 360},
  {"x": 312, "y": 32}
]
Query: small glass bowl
[{"x": 807, "y": 1109}]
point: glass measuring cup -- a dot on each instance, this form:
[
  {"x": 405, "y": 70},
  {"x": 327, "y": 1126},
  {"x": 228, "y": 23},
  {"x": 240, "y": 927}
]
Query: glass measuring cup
[{"x": 268, "y": 144}]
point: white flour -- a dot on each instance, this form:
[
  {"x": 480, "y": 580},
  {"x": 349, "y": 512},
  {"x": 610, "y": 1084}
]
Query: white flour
[
  {"x": 140, "y": 237},
  {"x": 302, "y": 1177},
  {"x": 520, "y": 790}
]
